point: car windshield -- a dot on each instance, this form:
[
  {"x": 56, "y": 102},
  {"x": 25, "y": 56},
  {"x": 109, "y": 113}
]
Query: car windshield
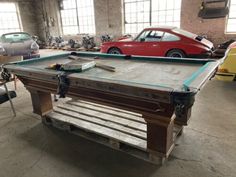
[
  {"x": 15, "y": 37},
  {"x": 183, "y": 32}
]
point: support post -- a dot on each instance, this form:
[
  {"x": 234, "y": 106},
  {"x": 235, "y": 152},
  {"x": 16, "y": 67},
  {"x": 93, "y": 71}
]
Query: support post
[
  {"x": 41, "y": 101},
  {"x": 160, "y": 134}
]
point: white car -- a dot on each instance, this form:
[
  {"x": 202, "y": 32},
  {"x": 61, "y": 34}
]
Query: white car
[{"x": 18, "y": 44}]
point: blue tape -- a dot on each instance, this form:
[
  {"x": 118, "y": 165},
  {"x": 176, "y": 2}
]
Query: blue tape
[{"x": 190, "y": 79}]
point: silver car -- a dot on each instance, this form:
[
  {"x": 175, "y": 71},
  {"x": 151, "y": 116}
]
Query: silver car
[{"x": 19, "y": 44}]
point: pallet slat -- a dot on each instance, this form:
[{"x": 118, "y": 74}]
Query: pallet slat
[
  {"x": 102, "y": 122},
  {"x": 98, "y": 129},
  {"x": 113, "y": 127},
  {"x": 106, "y": 107},
  {"x": 111, "y": 112},
  {"x": 105, "y": 116}
]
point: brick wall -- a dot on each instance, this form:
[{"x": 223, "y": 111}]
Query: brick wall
[
  {"x": 41, "y": 16},
  {"x": 213, "y": 28}
]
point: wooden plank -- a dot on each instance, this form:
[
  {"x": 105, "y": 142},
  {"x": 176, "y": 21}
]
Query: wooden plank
[
  {"x": 109, "y": 111},
  {"x": 8, "y": 59},
  {"x": 94, "y": 122},
  {"x": 101, "y": 130},
  {"x": 112, "y": 118},
  {"x": 105, "y": 116},
  {"x": 101, "y": 122},
  {"x": 151, "y": 157},
  {"x": 107, "y": 107}
]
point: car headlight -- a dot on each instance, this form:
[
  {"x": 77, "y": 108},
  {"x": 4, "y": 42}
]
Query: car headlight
[
  {"x": 2, "y": 50},
  {"x": 34, "y": 46}
]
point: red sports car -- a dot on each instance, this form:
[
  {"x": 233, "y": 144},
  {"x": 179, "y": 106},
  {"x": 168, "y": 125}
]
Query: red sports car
[{"x": 162, "y": 41}]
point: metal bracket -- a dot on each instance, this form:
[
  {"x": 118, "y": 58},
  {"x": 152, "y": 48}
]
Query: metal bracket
[
  {"x": 183, "y": 101},
  {"x": 6, "y": 75},
  {"x": 63, "y": 85}
]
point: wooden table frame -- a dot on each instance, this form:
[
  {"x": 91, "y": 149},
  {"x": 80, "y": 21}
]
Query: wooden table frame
[
  {"x": 159, "y": 124},
  {"x": 161, "y": 107}
]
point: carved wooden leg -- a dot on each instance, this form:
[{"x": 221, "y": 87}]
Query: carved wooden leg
[
  {"x": 160, "y": 134},
  {"x": 41, "y": 101}
]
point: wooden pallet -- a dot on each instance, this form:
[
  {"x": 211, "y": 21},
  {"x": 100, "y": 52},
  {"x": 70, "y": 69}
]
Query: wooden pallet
[{"x": 116, "y": 128}]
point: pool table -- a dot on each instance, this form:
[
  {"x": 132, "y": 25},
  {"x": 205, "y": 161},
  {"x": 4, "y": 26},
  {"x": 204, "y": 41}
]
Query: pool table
[{"x": 161, "y": 89}]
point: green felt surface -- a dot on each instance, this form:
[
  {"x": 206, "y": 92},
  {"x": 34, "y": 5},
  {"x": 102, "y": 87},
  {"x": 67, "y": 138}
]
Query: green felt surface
[{"x": 148, "y": 72}]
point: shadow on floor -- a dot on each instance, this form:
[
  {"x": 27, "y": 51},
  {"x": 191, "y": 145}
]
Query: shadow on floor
[{"x": 95, "y": 159}]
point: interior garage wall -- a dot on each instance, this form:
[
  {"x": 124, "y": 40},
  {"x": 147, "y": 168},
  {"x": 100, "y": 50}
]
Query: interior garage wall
[
  {"x": 213, "y": 28},
  {"x": 108, "y": 17},
  {"x": 27, "y": 14},
  {"x": 42, "y": 17},
  {"x": 48, "y": 18}
]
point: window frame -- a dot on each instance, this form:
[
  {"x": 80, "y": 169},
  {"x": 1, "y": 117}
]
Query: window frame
[
  {"x": 77, "y": 20},
  {"x": 17, "y": 12},
  {"x": 124, "y": 15},
  {"x": 227, "y": 21},
  {"x": 150, "y": 15}
]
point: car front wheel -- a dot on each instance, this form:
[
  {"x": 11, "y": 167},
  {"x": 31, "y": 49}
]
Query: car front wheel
[
  {"x": 114, "y": 51},
  {"x": 176, "y": 53}
]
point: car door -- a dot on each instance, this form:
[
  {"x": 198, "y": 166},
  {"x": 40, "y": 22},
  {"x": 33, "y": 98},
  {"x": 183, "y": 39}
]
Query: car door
[
  {"x": 146, "y": 44},
  {"x": 170, "y": 41}
]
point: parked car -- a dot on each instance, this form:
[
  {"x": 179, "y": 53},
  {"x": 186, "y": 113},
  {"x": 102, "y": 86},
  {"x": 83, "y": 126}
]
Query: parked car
[
  {"x": 227, "y": 70},
  {"x": 162, "y": 41},
  {"x": 19, "y": 44}
]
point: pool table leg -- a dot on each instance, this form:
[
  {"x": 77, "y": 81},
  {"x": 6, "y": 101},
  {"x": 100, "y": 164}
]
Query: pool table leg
[
  {"x": 183, "y": 115},
  {"x": 160, "y": 134},
  {"x": 41, "y": 101}
]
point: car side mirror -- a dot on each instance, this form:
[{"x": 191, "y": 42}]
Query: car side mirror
[{"x": 142, "y": 39}]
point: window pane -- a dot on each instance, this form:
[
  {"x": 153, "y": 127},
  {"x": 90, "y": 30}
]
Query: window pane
[
  {"x": 78, "y": 17},
  {"x": 70, "y": 30},
  {"x": 170, "y": 37},
  {"x": 69, "y": 4},
  {"x": 154, "y": 36},
  {"x": 9, "y": 18},
  {"x": 232, "y": 13},
  {"x": 86, "y": 16},
  {"x": 137, "y": 15},
  {"x": 231, "y": 23},
  {"x": 166, "y": 12},
  {"x": 69, "y": 17}
]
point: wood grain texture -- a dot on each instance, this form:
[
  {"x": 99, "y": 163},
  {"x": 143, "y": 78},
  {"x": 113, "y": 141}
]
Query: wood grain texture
[{"x": 122, "y": 130}]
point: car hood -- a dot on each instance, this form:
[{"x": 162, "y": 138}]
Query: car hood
[{"x": 17, "y": 48}]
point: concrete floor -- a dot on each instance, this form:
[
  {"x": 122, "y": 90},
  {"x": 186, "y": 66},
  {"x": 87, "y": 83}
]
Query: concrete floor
[{"x": 206, "y": 148}]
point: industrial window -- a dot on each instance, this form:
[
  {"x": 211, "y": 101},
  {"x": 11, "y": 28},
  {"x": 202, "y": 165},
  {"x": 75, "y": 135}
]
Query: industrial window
[
  {"x": 142, "y": 13},
  {"x": 9, "y": 18},
  {"x": 137, "y": 15},
  {"x": 231, "y": 24},
  {"x": 77, "y": 16},
  {"x": 166, "y": 12}
]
